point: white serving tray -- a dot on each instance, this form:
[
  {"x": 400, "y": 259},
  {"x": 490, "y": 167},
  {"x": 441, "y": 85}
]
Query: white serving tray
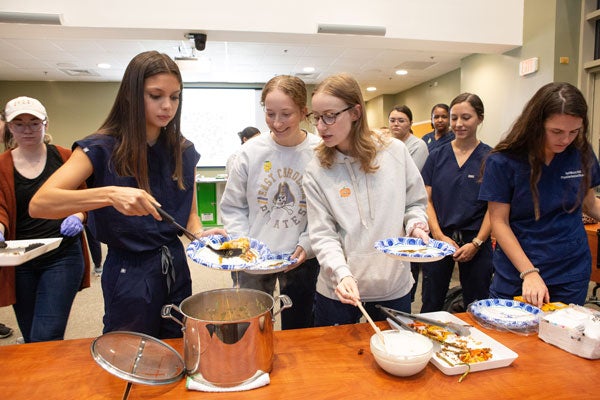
[
  {"x": 502, "y": 356},
  {"x": 9, "y": 260}
]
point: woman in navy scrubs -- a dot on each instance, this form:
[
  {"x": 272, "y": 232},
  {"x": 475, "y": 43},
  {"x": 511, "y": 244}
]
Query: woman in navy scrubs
[
  {"x": 537, "y": 181},
  {"x": 136, "y": 160},
  {"x": 451, "y": 175}
]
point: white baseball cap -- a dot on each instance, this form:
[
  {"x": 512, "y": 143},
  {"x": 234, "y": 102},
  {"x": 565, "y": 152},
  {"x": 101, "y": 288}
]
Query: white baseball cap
[{"x": 24, "y": 105}]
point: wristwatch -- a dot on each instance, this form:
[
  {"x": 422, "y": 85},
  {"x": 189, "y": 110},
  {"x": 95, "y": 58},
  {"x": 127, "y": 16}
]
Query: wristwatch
[{"x": 476, "y": 242}]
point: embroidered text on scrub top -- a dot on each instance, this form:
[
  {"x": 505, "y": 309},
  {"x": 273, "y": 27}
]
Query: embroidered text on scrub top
[{"x": 572, "y": 174}]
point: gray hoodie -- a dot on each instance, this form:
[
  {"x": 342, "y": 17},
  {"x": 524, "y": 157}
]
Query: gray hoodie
[{"x": 348, "y": 211}]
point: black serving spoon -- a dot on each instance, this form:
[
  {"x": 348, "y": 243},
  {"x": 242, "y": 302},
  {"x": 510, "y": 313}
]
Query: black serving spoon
[{"x": 226, "y": 253}]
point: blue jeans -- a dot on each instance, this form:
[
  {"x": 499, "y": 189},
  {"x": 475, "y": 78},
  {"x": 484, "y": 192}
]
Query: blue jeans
[
  {"x": 330, "y": 312},
  {"x": 45, "y": 292}
]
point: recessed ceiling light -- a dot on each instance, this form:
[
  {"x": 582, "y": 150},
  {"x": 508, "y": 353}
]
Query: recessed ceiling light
[
  {"x": 308, "y": 69},
  {"x": 401, "y": 72},
  {"x": 371, "y": 89},
  {"x": 104, "y": 65}
]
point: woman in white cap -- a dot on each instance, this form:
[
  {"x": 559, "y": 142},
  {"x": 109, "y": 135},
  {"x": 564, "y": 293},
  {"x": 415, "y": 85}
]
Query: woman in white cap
[{"x": 41, "y": 290}]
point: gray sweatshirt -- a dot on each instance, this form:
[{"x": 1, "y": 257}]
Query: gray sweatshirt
[
  {"x": 348, "y": 211},
  {"x": 263, "y": 197}
]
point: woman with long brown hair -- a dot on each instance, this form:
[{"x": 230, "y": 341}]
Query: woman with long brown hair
[
  {"x": 138, "y": 159},
  {"x": 537, "y": 182}
]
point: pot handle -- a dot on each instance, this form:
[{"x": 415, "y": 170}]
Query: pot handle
[
  {"x": 165, "y": 312},
  {"x": 286, "y": 302}
]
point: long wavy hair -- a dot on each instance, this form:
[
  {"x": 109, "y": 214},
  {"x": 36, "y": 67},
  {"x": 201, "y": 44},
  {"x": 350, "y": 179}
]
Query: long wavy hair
[
  {"x": 526, "y": 138},
  {"x": 127, "y": 120},
  {"x": 364, "y": 143}
]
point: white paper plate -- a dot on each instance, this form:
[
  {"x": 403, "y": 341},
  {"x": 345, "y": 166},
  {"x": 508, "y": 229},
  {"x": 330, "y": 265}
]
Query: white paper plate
[
  {"x": 414, "y": 249},
  {"x": 506, "y": 314},
  {"x": 18, "y": 258},
  {"x": 502, "y": 356}
]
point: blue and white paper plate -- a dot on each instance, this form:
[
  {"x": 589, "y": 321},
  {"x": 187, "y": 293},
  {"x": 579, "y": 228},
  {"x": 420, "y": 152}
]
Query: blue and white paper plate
[
  {"x": 506, "y": 314},
  {"x": 414, "y": 249},
  {"x": 275, "y": 262},
  {"x": 198, "y": 252}
]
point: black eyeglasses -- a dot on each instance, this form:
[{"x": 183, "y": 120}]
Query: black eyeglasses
[{"x": 328, "y": 119}]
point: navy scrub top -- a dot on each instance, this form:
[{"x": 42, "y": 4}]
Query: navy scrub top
[
  {"x": 454, "y": 189},
  {"x": 557, "y": 242},
  {"x": 140, "y": 233}
]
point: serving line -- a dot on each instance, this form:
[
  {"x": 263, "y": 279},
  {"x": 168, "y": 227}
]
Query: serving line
[{"x": 317, "y": 363}]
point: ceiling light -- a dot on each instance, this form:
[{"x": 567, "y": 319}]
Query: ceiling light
[
  {"x": 371, "y": 89},
  {"x": 401, "y": 72},
  {"x": 103, "y": 65},
  {"x": 308, "y": 69},
  {"x": 351, "y": 29},
  {"x": 30, "y": 18}
]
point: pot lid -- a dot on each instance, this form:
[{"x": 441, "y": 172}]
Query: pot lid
[{"x": 138, "y": 358}]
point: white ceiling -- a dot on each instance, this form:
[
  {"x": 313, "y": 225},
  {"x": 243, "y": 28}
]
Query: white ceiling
[{"x": 49, "y": 53}]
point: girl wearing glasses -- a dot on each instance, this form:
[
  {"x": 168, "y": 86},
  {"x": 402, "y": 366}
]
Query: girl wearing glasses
[
  {"x": 360, "y": 188},
  {"x": 264, "y": 199},
  {"x": 400, "y": 120},
  {"x": 136, "y": 161},
  {"x": 41, "y": 290}
]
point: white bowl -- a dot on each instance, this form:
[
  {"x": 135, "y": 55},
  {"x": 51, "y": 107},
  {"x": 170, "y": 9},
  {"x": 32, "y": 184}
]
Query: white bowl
[{"x": 404, "y": 353}]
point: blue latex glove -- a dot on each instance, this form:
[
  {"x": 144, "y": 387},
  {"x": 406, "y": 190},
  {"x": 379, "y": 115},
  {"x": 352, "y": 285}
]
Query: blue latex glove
[
  {"x": 71, "y": 226},
  {"x": 2, "y": 237}
]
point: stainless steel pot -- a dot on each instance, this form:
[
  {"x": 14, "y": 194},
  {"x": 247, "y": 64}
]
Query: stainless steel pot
[{"x": 227, "y": 333}]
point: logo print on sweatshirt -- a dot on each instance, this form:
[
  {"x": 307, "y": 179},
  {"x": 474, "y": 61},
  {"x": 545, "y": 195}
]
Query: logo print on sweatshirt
[
  {"x": 345, "y": 192},
  {"x": 267, "y": 166},
  {"x": 281, "y": 199}
]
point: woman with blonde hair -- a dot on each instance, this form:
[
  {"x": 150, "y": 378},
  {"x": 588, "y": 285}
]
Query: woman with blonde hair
[
  {"x": 360, "y": 188},
  {"x": 43, "y": 289},
  {"x": 263, "y": 198}
]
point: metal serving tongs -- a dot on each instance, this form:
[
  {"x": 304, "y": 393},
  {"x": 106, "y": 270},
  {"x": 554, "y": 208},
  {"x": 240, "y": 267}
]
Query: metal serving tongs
[
  {"x": 458, "y": 329},
  {"x": 226, "y": 253}
]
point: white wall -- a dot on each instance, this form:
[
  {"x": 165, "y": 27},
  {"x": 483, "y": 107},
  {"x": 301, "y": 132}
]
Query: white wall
[{"x": 404, "y": 19}]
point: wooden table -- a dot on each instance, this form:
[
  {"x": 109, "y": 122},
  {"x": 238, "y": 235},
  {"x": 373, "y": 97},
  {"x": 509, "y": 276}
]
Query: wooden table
[{"x": 318, "y": 363}]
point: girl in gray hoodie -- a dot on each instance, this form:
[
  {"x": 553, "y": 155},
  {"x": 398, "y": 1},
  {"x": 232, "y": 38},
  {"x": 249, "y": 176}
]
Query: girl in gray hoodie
[{"x": 360, "y": 188}]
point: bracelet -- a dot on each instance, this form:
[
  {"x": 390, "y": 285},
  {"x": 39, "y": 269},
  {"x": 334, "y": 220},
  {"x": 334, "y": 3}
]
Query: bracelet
[{"x": 527, "y": 272}]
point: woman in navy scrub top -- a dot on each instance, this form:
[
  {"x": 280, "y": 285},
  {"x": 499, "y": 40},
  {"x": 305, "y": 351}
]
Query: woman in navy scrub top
[
  {"x": 137, "y": 158},
  {"x": 451, "y": 175},
  {"x": 537, "y": 181}
]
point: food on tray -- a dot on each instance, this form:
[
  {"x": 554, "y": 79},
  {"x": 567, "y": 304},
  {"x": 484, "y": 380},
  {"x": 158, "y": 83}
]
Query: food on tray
[
  {"x": 546, "y": 307},
  {"x": 17, "y": 251},
  {"x": 454, "y": 349},
  {"x": 243, "y": 244},
  {"x": 33, "y": 246}
]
